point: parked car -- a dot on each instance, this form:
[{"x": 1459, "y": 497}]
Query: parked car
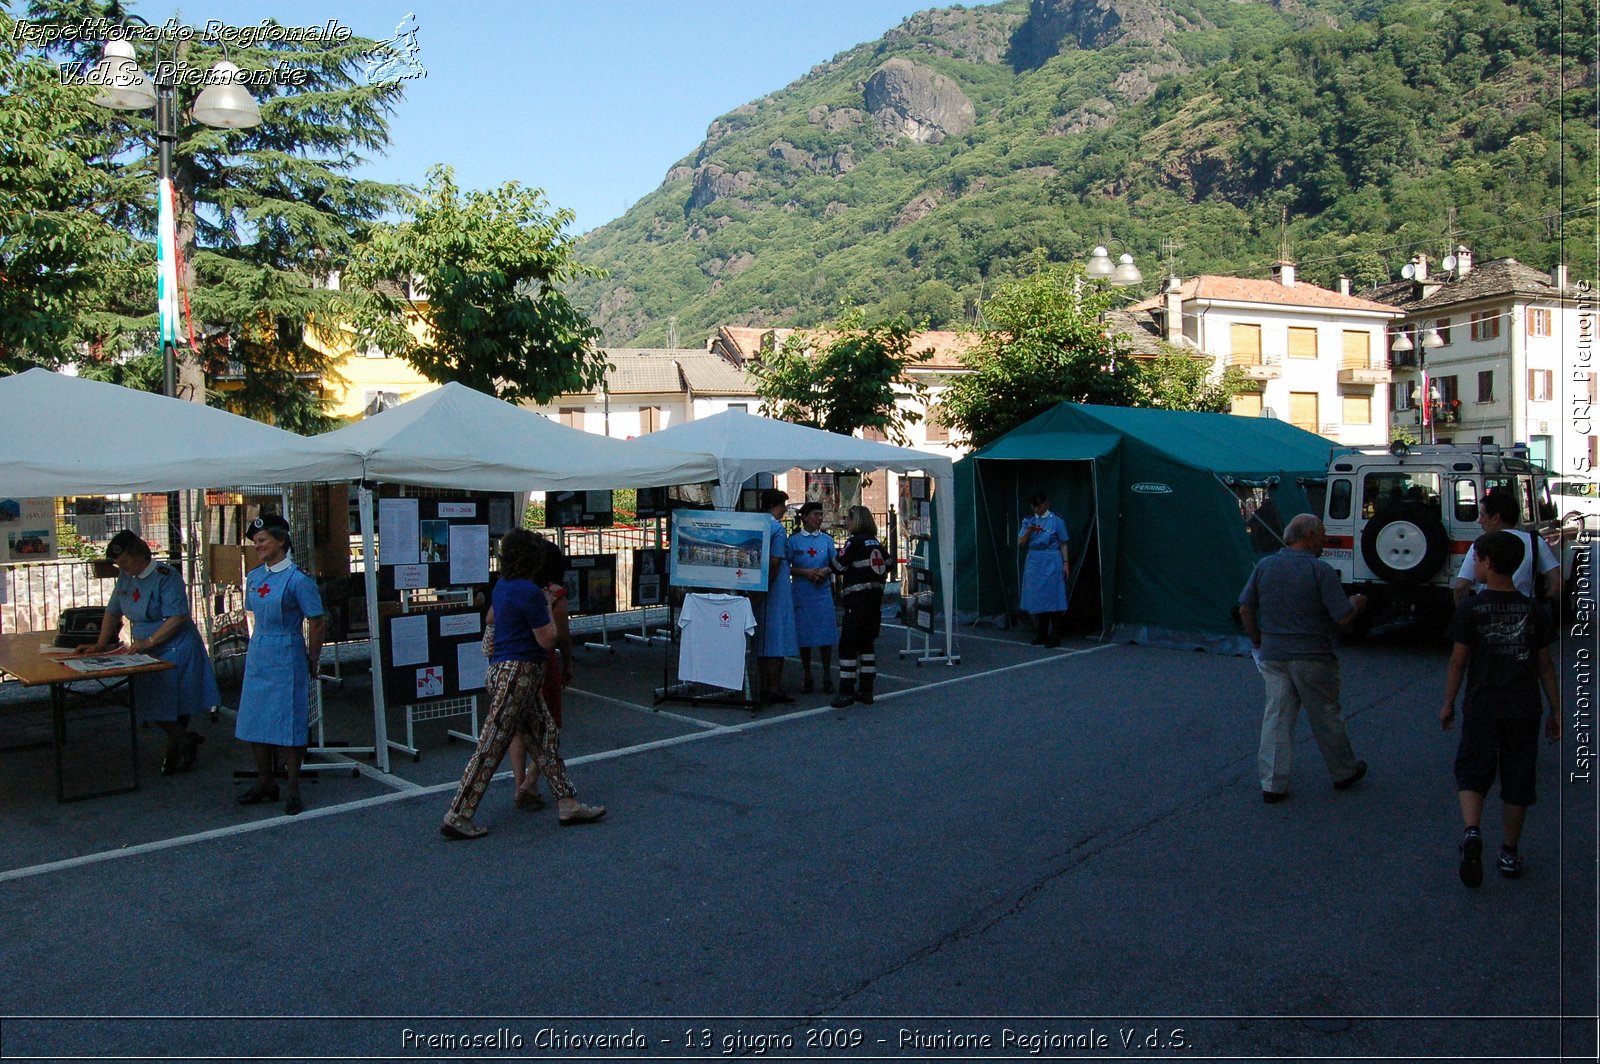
[{"x": 1571, "y": 495}]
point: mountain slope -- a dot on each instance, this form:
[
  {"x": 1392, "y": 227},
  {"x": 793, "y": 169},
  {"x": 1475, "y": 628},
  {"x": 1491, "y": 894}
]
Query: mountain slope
[{"x": 908, "y": 173}]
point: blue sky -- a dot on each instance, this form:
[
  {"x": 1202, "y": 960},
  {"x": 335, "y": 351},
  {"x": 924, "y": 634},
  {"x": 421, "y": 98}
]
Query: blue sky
[{"x": 590, "y": 100}]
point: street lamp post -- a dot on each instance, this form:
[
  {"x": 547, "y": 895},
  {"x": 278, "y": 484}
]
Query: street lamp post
[
  {"x": 1123, "y": 274},
  {"x": 223, "y": 104}
]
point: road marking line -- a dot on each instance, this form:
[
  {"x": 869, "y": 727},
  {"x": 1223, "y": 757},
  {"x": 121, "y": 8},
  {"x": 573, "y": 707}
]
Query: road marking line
[
  {"x": 995, "y": 672},
  {"x": 638, "y": 708},
  {"x": 937, "y": 638},
  {"x": 409, "y": 790}
]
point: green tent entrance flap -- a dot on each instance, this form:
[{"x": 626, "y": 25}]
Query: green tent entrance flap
[{"x": 1167, "y": 494}]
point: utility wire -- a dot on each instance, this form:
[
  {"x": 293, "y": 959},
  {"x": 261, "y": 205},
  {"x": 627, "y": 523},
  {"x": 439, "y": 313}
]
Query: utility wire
[{"x": 1471, "y": 232}]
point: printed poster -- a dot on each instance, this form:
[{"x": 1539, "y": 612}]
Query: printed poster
[
  {"x": 397, "y": 532},
  {"x": 472, "y": 667},
  {"x": 430, "y": 681},
  {"x": 27, "y": 530},
  {"x": 720, "y": 549}
]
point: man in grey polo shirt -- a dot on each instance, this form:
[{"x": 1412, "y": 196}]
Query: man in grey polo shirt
[{"x": 1289, "y": 607}]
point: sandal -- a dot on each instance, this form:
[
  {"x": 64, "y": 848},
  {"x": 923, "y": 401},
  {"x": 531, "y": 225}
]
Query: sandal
[
  {"x": 528, "y": 800},
  {"x": 459, "y": 827},
  {"x": 583, "y": 814}
]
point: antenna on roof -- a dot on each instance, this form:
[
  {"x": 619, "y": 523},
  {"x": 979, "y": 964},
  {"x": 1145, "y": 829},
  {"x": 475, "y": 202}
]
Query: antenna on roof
[
  {"x": 1283, "y": 236},
  {"x": 1170, "y": 249}
]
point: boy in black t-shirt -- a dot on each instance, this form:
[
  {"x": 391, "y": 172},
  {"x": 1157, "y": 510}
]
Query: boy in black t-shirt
[{"x": 1502, "y": 649}]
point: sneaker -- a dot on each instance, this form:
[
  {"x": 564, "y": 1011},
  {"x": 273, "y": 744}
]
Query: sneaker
[
  {"x": 1510, "y": 864},
  {"x": 1472, "y": 860}
]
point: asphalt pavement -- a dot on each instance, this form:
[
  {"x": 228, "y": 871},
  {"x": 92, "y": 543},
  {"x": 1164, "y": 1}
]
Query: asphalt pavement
[{"x": 1033, "y": 854}]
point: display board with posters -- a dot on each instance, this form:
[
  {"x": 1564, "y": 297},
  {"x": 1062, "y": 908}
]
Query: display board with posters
[
  {"x": 591, "y": 582},
  {"x": 720, "y": 549},
  {"x": 649, "y": 576},
  {"x": 578, "y": 509},
  {"x": 824, "y": 488},
  {"x": 433, "y": 654},
  {"x": 918, "y": 584},
  {"x": 651, "y": 502},
  {"x": 443, "y": 541},
  {"x": 27, "y": 530}
]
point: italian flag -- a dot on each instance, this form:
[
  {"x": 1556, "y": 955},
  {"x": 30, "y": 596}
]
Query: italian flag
[{"x": 167, "y": 272}]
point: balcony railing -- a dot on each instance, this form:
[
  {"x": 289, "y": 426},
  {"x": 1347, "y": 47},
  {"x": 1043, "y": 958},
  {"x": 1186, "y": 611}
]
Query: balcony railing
[
  {"x": 1257, "y": 366},
  {"x": 1364, "y": 370}
]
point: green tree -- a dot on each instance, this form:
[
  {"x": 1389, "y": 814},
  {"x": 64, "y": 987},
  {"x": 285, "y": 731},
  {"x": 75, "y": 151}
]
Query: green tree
[
  {"x": 264, "y": 216},
  {"x": 1045, "y": 344},
  {"x": 492, "y": 265},
  {"x": 55, "y": 255},
  {"x": 849, "y": 382},
  {"x": 1178, "y": 380}
]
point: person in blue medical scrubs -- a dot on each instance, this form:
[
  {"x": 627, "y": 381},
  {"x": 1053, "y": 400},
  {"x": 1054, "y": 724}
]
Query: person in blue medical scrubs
[
  {"x": 152, "y": 597},
  {"x": 275, "y": 703},
  {"x": 1045, "y": 572},
  {"x": 811, "y": 552},
  {"x": 775, "y": 638}
]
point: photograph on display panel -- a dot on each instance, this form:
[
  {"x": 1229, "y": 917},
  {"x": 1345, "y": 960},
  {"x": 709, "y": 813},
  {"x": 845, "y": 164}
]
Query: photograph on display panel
[
  {"x": 719, "y": 549},
  {"x": 27, "y": 530}
]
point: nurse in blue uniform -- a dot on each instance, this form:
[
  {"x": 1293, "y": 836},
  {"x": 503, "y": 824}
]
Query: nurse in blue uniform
[
  {"x": 1045, "y": 572},
  {"x": 811, "y": 553},
  {"x": 775, "y": 638},
  {"x": 274, "y": 706},
  {"x": 152, "y": 597}
]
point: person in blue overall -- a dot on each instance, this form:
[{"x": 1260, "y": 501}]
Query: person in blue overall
[
  {"x": 775, "y": 636},
  {"x": 152, "y": 597},
  {"x": 811, "y": 552},
  {"x": 275, "y": 703},
  {"x": 1045, "y": 572}
]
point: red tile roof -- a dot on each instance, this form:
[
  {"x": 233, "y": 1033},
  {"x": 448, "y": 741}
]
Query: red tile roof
[
  {"x": 1254, "y": 290},
  {"x": 946, "y": 345}
]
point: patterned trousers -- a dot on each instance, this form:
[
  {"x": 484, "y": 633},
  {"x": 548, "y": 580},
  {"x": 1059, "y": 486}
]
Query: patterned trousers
[{"x": 516, "y": 706}]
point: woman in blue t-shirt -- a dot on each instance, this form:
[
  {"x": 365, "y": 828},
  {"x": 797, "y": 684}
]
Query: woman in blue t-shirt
[{"x": 516, "y": 638}]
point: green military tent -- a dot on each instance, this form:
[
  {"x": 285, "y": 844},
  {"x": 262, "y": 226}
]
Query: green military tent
[{"x": 1161, "y": 509}]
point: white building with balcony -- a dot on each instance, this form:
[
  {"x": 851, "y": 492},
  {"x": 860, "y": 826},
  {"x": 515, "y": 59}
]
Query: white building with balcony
[
  {"x": 1316, "y": 358},
  {"x": 1490, "y": 353}
]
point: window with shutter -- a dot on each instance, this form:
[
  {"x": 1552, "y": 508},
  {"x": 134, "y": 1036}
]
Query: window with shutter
[
  {"x": 1358, "y": 410},
  {"x": 1302, "y": 342},
  {"x": 1303, "y": 411},
  {"x": 1247, "y": 404},
  {"x": 1245, "y": 345},
  {"x": 1357, "y": 350}
]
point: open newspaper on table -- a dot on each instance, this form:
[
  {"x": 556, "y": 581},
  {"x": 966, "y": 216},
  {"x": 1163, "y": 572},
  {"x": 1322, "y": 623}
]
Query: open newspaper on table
[{"x": 105, "y": 662}]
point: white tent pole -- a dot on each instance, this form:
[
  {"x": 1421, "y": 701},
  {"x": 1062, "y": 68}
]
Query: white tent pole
[
  {"x": 944, "y": 504},
  {"x": 369, "y": 554}
]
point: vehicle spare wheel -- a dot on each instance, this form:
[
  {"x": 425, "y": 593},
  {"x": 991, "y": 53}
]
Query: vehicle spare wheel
[{"x": 1406, "y": 545}]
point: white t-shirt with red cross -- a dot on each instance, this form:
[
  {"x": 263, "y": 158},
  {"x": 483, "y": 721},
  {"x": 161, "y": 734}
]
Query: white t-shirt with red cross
[{"x": 714, "y": 631}]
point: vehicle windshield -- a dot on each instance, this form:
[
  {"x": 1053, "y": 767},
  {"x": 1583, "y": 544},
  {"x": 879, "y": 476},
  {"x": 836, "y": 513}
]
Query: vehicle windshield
[
  {"x": 1381, "y": 492},
  {"x": 1581, "y": 489}
]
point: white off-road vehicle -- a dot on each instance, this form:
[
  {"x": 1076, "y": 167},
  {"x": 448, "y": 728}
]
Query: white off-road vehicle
[{"x": 1400, "y": 520}]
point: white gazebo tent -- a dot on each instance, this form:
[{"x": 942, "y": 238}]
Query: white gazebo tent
[
  {"x": 455, "y": 437},
  {"x": 62, "y": 435},
  {"x": 745, "y": 444}
]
